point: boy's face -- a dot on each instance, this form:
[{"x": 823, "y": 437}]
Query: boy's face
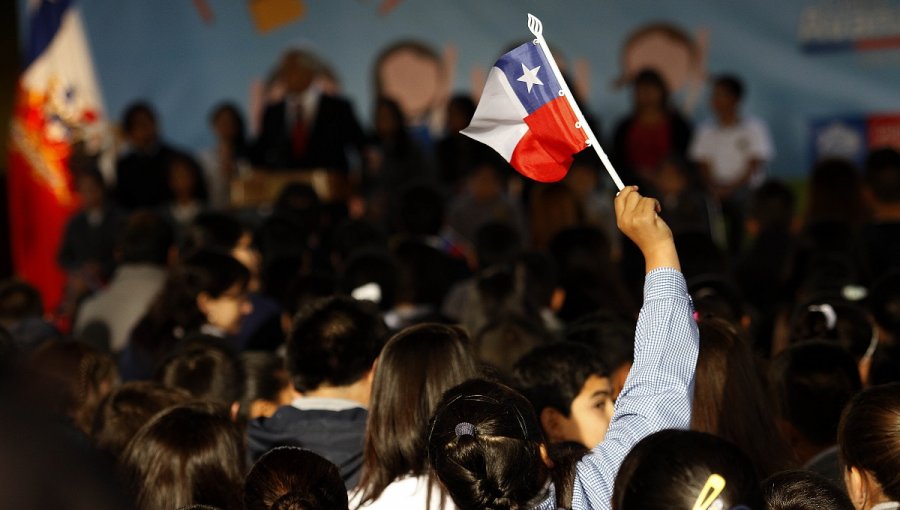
[{"x": 589, "y": 415}]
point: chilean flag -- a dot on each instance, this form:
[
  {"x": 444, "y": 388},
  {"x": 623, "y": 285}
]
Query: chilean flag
[
  {"x": 524, "y": 116},
  {"x": 58, "y": 104}
]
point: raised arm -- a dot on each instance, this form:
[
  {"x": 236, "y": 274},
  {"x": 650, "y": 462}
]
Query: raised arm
[{"x": 657, "y": 394}]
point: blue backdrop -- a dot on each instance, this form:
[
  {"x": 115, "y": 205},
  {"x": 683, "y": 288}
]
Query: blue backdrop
[{"x": 165, "y": 52}]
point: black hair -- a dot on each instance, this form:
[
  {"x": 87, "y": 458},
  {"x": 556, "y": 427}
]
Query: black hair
[
  {"x": 304, "y": 289},
  {"x": 537, "y": 272},
  {"x": 425, "y": 274},
  {"x": 291, "y": 478},
  {"x": 699, "y": 255},
  {"x": 19, "y": 300},
  {"x": 334, "y": 341},
  {"x": 883, "y": 174},
  {"x": 803, "y": 490},
  {"x": 869, "y": 438},
  {"x": 669, "y": 470},
  {"x": 812, "y": 382},
  {"x": 353, "y": 235},
  {"x": 265, "y": 377},
  {"x": 146, "y": 239},
  {"x": 503, "y": 340},
  {"x": 212, "y": 230},
  {"x": 484, "y": 445},
  {"x": 206, "y": 367},
  {"x": 420, "y": 211},
  {"x": 133, "y": 111},
  {"x": 884, "y": 302},
  {"x": 607, "y": 335},
  {"x": 372, "y": 266},
  {"x": 835, "y": 192},
  {"x": 553, "y": 375},
  {"x": 200, "y": 192},
  {"x": 464, "y": 103},
  {"x": 300, "y": 202},
  {"x": 716, "y": 296},
  {"x": 772, "y": 205},
  {"x": 849, "y": 326},
  {"x": 731, "y": 83}
]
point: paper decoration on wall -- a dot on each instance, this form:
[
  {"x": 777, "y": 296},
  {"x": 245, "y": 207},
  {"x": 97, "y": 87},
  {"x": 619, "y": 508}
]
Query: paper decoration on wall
[
  {"x": 269, "y": 15},
  {"x": 672, "y": 52},
  {"x": 205, "y": 12},
  {"x": 853, "y": 136}
]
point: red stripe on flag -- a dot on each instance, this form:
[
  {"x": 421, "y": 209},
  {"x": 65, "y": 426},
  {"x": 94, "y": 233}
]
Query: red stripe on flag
[{"x": 545, "y": 152}]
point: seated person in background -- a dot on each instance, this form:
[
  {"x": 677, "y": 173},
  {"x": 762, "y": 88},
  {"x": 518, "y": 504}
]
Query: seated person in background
[
  {"x": 187, "y": 455},
  {"x": 141, "y": 173},
  {"x": 732, "y": 151},
  {"x": 308, "y": 128},
  {"x": 803, "y": 490},
  {"x": 222, "y": 162},
  {"x": 569, "y": 388},
  {"x": 127, "y": 409},
  {"x": 267, "y": 385},
  {"x": 88, "y": 245},
  {"x": 290, "y": 478},
  {"x": 207, "y": 293},
  {"x": 71, "y": 379},
  {"x": 22, "y": 315},
  {"x": 812, "y": 383},
  {"x": 484, "y": 200},
  {"x": 485, "y": 442},
  {"x": 870, "y": 448},
  {"x": 207, "y": 368},
  {"x": 143, "y": 249},
  {"x": 188, "y": 191},
  {"x": 685, "y": 470},
  {"x": 882, "y": 234},
  {"x": 330, "y": 355}
]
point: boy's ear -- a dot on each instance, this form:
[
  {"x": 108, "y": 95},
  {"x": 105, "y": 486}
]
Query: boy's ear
[{"x": 552, "y": 423}]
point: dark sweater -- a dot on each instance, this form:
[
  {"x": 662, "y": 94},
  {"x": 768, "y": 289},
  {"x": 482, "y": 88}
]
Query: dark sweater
[{"x": 336, "y": 435}]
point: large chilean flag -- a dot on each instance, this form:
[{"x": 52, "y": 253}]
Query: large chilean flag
[
  {"x": 58, "y": 104},
  {"x": 524, "y": 116}
]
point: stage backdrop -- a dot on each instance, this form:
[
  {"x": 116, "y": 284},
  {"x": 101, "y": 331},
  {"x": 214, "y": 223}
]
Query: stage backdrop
[{"x": 805, "y": 62}]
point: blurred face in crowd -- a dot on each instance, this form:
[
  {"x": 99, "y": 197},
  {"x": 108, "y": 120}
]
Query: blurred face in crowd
[
  {"x": 182, "y": 180},
  {"x": 246, "y": 254},
  {"x": 589, "y": 415},
  {"x": 225, "y": 125},
  {"x": 228, "y": 310},
  {"x": 296, "y": 75},
  {"x": 671, "y": 179},
  {"x": 91, "y": 192},
  {"x": 648, "y": 96},
  {"x": 723, "y": 102},
  {"x": 484, "y": 184},
  {"x": 143, "y": 133}
]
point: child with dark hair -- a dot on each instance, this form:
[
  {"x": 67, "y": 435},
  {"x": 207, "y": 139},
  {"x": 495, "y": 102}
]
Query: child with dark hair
[
  {"x": 684, "y": 470},
  {"x": 22, "y": 315},
  {"x": 207, "y": 368},
  {"x": 508, "y": 337},
  {"x": 881, "y": 234},
  {"x": 869, "y": 442},
  {"x": 207, "y": 293},
  {"x": 187, "y": 186},
  {"x": 731, "y": 398},
  {"x": 803, "y": 490},
  {"x": 189, "y": 454},
  {"x": 423, "y": 279},
  {"x": 127, "y": 409},
  {"x": 612, "y": 339},
  {"x": 223, "y": 162},
  {"x": 267, "y": 385},
  {"x": 569, "y": 388},
  {"x": 483, "y": 200},
  {"x": 485, "y": 442},
  {"x": 291, "y": 478},
  {"x": 330, "y": 355},
  {"x": 812, "y": 383}
]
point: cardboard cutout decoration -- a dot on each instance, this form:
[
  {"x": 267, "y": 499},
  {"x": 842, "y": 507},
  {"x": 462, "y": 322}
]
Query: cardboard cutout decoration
[{"x": 269, "y": 15}]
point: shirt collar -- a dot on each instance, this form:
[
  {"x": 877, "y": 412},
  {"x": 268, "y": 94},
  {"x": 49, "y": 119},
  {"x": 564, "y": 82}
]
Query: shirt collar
[{"x": 325, "y": 404}]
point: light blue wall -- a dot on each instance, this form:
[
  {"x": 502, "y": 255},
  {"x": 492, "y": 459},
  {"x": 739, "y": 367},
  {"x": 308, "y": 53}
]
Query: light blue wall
[{"x": 162, "y": 51}]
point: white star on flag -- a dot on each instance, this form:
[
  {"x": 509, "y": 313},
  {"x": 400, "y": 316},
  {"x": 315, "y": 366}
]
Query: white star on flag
[{"x": 529, "y": 77}]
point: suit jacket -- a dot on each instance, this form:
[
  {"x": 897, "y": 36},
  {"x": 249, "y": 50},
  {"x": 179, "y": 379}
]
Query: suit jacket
[{"x": 333, "y": 131}]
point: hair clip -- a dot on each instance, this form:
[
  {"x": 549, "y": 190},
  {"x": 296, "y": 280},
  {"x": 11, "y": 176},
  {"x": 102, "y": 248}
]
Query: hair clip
[
  {"x": 464, "y": 428},
  {"x": 714, "y": 486},
  {"x": 829, "y": 313}
]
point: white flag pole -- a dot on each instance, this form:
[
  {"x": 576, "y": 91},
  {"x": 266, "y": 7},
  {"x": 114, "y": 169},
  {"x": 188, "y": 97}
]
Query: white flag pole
[{"x": 534, "y": 24}]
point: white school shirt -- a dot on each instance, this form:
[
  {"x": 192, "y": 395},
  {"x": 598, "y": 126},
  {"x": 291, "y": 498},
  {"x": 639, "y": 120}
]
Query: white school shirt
[
  {"x": 407, "y": 493},
  {"x": 729, "y": 149}
]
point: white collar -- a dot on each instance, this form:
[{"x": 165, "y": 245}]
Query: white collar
[{"x": 325, "y": 404}]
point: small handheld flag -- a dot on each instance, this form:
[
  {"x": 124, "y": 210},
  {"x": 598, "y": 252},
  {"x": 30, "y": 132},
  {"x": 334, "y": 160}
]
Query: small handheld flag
[{"x": 528, "y": 114}]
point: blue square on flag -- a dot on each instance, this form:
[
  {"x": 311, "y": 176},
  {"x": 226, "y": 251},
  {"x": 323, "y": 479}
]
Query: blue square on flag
[{"x": 524, "y": 116}]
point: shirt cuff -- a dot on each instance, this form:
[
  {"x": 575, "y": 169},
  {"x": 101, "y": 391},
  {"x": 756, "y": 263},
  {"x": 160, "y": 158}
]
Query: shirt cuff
[{"x": 665, "y": 283}]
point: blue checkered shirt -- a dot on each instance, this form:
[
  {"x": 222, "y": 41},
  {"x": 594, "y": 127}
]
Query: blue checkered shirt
[{"x": 657, "y": 394}]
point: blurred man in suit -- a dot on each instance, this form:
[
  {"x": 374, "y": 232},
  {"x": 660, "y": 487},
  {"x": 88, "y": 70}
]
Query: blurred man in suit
[{"x": 306, "y": 129}]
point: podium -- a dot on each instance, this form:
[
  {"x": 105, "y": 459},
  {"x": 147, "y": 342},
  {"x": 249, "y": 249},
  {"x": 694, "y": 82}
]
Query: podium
[{"x": 261, "y": 187}]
